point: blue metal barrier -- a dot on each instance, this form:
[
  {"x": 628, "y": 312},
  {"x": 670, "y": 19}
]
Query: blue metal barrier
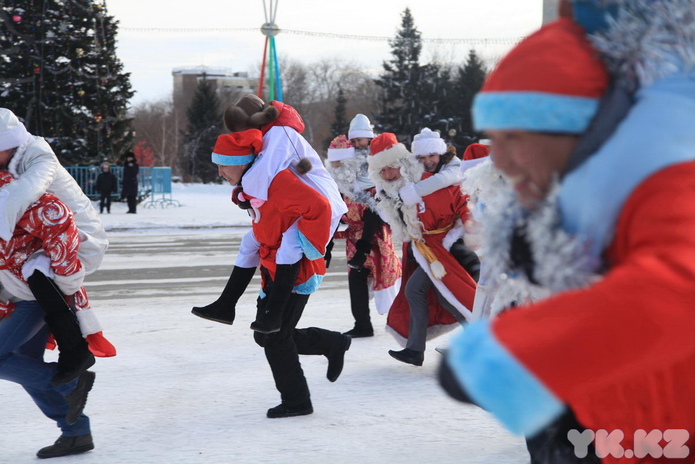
[{"x": 153, "y": 183}]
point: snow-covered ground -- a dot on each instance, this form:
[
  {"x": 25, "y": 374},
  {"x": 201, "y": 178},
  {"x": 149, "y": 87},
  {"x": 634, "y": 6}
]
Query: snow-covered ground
[{"x": 185, "y": 390}]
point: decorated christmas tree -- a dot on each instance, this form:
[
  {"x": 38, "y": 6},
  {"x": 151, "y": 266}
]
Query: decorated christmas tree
[{"x": 60, "y": 74}]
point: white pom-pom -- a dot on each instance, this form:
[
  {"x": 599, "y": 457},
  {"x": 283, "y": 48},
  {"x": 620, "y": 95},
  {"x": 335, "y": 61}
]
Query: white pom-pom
[{"x": 438, "y": 270}]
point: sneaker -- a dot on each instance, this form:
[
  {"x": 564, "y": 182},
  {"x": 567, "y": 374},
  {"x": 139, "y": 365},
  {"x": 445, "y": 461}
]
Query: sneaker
[
  {"x": 77, "y": 399},
  {"x": 282, "y": 410},
  {"x": 360, "y": 333},
  {"x": 65, "y": 446},
  {"x": 336, "y": 358},
  {"x": 409, "y": 356}
]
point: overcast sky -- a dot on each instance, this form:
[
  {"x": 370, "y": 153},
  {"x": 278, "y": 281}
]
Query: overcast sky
[{"x": 150, "y": 54}]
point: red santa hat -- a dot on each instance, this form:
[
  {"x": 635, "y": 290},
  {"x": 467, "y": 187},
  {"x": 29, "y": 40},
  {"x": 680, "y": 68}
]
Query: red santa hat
[
  {"x": 551, "y": 82},
  {"x": 237, "y": 148},
  {"x": 476, "y": 151},
  {"x": 12, "y": 132},
  {"x": 385, "y": 150},
  {"x": 340, "y": 149}
]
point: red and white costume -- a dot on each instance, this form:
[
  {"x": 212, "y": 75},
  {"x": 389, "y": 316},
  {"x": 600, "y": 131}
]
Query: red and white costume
[
  {"x": 432, "y": 226},
  {"x": 46, "y": 235}
]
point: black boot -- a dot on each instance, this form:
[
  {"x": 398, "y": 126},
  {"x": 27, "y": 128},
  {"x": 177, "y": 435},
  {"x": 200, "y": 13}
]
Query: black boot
[
  {"x": 336, "y": 357},
  {"x": 408, "y": 356},
  {"x": 359, "y": 303},
  {"x": 224, "y": 308},
  {"x": 282, "y": 410},
  {"x": 77, "y": 399},
  {"x": 269, "y": 319},
  {"x": 74, "y": 357},
  {"x": 65, "y": 446}
]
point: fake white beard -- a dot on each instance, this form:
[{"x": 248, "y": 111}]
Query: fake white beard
[
  {"x": 390, "y": 203},
  {"x": 560, "y": 261},
  {"x": 351, "y": 178}
]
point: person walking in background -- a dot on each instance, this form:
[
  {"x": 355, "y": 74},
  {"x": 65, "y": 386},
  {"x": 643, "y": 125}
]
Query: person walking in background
[
  {"x": 106, "y": 185},
  {"x": 129, "y": 190},
  {"x": 372, "y": 259},
  {"x": 436, "y": 291}
]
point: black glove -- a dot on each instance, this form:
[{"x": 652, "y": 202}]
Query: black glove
[
  {"x": 243, "y": 204},
  {"x": 451, "y": 385},
  {"x": 467, "y": 258},
  {"x": 328, "y": 256},
  {"x": 363, "y": 249}
]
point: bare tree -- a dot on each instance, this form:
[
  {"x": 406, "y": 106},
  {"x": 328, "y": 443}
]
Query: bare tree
[{"x": 154, "y": 122}]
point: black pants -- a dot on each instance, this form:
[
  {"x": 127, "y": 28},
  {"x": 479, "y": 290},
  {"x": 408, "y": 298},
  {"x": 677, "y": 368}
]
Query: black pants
[
  {"x": 105, "y": 202},
  {"x": 282, "y": 349},
  {"x": 132, "y": 203},
  {"x": 358, "y": 284}
]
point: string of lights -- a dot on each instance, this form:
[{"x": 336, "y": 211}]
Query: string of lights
[{"x": 329, "y": 35}]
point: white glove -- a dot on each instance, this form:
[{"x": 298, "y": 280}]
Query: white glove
[
  {"x": 409, "y": 196},
  {"x": 38, "y": 262}
]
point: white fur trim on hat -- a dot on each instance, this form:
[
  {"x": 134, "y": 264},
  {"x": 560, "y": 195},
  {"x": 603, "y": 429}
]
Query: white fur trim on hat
[
  {"x": 360, "y": 127},
  {"x": 390, "y": 157},
  {"x": 339, "y": 154},
  {"x": 428, "y": 142},
  {"x": 12, "y": 132}
]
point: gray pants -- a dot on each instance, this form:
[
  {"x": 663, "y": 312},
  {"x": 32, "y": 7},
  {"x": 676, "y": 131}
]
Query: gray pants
[{"x": 416, "y": 293}]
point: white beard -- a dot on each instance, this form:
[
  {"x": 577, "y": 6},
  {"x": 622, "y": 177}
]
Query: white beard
[
  {"x": 347, "y": 177},
  {"x": 409, "y": 226}
]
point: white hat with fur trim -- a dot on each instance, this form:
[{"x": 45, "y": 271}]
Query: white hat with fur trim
[
  {"x": 360, "y": 127},
  {"x": 340, "y": 149},
  {"x": 12, "y": 132},
  {"x": 428, "y": 142}
]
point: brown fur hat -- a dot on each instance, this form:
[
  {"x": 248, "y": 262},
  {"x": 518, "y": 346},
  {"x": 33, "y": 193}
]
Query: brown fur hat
[{"x": 250, "y": 112}]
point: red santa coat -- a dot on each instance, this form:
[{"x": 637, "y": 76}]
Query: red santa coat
[
  {"x": 570, "y": 343},
  {"x": 439, "y": 210},
  {"x": 382, "y": 260},
  {"x": 290, "y": 200},
  {"x": 48, "y": 226}
]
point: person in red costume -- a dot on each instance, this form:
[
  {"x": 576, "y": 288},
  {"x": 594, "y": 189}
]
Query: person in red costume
[
  {"x": 436, "y": 291},
  {"x": 295, "y": 206},
  {"x": 373, "y": 265},
  {"x": 599, "y": 156},
  {"x": 41, "y": 279}
]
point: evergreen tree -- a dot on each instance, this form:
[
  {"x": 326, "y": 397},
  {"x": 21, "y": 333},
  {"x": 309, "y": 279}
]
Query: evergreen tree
[
  {"x": 60, "y": 74},
  {"x": 340, "y": 124},
  {"x": 409, "y": 98},
  {"x": 204, "y": 125},
  {"x": 470, "y": 79}
]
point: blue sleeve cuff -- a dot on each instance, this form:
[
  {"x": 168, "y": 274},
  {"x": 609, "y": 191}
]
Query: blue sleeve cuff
[
  {"x": 309, "y": 250},
  {"x": 498, "y": 383}
]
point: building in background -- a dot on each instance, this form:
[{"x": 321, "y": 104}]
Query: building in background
[{"x": 228, "y": 85}]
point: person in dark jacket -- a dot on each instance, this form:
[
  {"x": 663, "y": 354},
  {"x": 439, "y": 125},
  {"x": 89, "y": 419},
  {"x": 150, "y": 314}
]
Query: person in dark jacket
[
  {"x": 106, "y": 185},
  {"x": 129, "y": 190}
]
